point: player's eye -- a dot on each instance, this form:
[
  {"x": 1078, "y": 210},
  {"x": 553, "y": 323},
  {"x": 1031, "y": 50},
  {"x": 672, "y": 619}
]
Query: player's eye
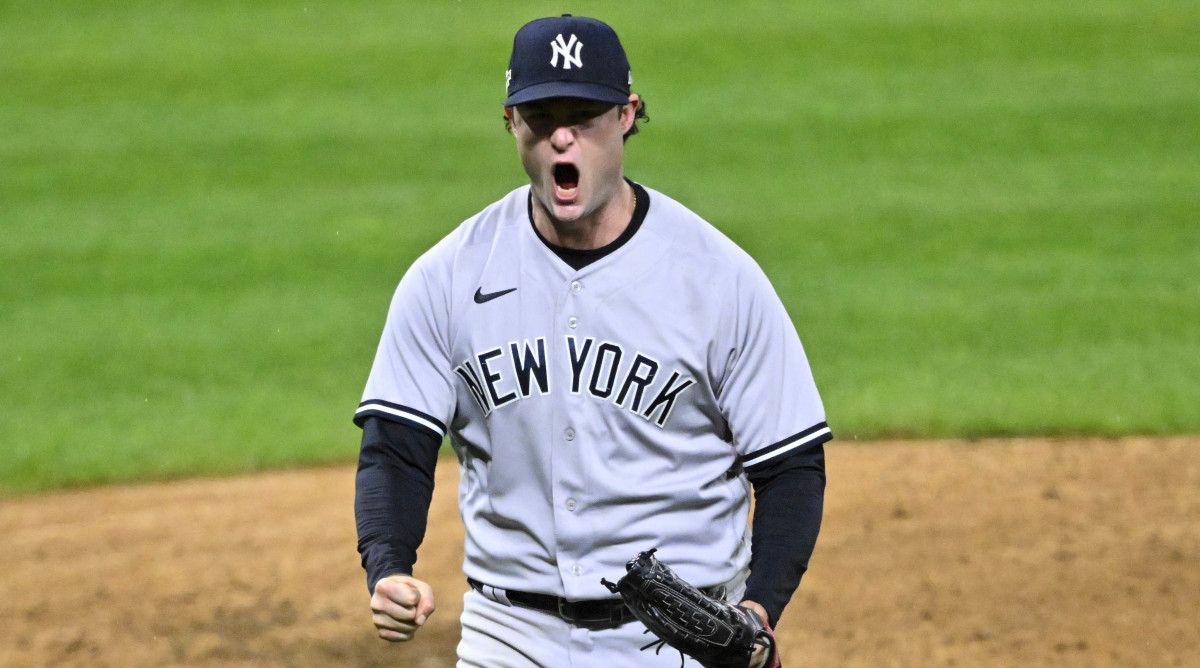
[
  {"x": 537, "y": 123},
  {"x": 587, "y": 114}
]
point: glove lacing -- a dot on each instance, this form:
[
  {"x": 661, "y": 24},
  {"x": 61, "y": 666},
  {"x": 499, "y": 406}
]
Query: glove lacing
[
  {"x": 761, "y": 639},
  {"x": 661, "y": 644}
]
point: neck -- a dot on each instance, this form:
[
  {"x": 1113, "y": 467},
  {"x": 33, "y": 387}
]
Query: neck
[{"x": 595, "y": 230}]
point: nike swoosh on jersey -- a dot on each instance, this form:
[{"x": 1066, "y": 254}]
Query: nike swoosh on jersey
[{"x": 481, "y": 298}]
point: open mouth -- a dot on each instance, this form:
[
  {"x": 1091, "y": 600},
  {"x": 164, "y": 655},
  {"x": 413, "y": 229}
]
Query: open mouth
[{"x": 566, "y": 179}]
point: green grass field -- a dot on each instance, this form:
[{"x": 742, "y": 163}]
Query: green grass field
[{"x": 983, "y": 215}]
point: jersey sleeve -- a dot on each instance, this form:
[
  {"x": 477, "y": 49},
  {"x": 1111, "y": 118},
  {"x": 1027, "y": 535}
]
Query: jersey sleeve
[
  {"x": 768, "y": 395},
  {"x": 410, "y": 379}
]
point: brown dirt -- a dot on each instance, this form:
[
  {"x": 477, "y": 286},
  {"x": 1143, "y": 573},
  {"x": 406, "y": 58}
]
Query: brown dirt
[{"x": 996, "y": 553}]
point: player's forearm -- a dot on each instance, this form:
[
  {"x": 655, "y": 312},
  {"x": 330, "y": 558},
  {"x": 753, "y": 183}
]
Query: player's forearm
[
  {"x": 393, "y": 490},
  {"x": 789, "y": 505}
]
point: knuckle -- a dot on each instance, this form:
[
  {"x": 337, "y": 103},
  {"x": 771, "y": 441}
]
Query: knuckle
[{"x": 395, "y": 636}]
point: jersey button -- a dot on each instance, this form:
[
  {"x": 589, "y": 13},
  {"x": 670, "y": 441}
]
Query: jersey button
[
  {"x": 576, "y": 286},
  {"x": 571, "y": 505},
  {"x": 569, "y": 434},
  {"x": 577, "y": 570},
  {"x": 572, "y": 322}
]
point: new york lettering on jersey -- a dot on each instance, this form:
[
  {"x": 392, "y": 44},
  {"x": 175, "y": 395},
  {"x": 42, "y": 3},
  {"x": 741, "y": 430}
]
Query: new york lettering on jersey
[{"x": 604, "y": 371}]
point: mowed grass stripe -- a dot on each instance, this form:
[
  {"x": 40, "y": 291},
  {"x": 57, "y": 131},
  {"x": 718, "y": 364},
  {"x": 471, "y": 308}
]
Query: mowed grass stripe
[{"x": 979, "y": 214}]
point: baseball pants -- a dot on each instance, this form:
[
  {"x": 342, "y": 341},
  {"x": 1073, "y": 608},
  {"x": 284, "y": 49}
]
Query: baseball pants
[{"x": 495, "y": 635}]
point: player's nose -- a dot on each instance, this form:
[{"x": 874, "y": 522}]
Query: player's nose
[{"x": 562, "y": 137}]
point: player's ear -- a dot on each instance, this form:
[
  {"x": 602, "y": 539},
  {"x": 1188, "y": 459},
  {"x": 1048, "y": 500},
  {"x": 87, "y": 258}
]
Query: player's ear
[
  {"x": 629, "y": 112},
  {"x": 508, "y": 121}
]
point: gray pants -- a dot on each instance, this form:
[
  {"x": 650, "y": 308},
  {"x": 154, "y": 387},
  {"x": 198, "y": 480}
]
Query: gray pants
[{"x": 495, "y": 635}]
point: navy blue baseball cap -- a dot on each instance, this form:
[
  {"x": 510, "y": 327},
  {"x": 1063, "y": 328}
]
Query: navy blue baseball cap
[{"x": 567, "y": 56}]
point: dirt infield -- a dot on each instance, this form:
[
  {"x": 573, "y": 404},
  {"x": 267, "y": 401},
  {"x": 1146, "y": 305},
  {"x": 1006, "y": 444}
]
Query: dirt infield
[{"x": 995, "y": 553}]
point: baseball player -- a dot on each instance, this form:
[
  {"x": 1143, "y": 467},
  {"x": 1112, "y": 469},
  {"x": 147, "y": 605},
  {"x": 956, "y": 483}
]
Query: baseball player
[{"x": 614, "y": 375}]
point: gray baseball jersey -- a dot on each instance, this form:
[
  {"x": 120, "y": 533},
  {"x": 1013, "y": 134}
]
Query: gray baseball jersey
[{"x": 597, "y": 412}]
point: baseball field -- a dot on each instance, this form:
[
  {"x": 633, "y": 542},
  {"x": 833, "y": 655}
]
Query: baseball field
[{"x": 981, "y": 215}]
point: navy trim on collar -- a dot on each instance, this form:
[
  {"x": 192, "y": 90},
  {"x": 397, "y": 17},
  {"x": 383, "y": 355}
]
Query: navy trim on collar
[{"x": 577, "y": 258}]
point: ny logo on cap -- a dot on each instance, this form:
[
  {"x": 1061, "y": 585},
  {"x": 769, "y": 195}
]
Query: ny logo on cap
[{"x": 563, "y": 48}]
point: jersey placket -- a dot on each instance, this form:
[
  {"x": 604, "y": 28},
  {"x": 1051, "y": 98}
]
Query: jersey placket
[{"x": 571, "y": 434}]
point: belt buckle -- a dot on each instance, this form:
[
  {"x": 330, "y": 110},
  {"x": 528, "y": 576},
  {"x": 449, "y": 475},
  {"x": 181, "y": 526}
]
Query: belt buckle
[{"x": 563, "y": 613}]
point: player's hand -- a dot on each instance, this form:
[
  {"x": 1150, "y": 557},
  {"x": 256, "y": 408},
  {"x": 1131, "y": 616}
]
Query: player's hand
[
  {"x": 760, "y": 653},
  {"x": 401, "y": 604}
]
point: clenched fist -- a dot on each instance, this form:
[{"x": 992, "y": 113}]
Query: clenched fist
[{"x": 400, "y": 605}]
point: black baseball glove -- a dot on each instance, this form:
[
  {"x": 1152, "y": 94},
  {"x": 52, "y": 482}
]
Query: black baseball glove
[{"x": 706, "y": 628}]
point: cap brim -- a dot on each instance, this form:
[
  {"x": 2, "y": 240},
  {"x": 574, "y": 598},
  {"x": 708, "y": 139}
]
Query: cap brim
[{"x": 576, "y": 89}]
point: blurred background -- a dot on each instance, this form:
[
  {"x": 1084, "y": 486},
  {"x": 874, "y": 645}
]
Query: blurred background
[{"x": 980, "y": 214}]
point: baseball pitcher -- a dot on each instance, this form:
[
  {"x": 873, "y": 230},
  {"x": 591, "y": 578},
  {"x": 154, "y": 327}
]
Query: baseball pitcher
[{"x": 616, "y": 378}]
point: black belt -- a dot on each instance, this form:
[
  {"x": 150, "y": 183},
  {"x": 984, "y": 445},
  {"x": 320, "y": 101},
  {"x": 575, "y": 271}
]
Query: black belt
[{"x": 601, "y": 611}]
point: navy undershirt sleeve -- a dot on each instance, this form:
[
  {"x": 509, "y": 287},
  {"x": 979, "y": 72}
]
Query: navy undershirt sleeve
[
  {"x": 789, "y": 498},
  {"x": 393, "y": 490}
]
